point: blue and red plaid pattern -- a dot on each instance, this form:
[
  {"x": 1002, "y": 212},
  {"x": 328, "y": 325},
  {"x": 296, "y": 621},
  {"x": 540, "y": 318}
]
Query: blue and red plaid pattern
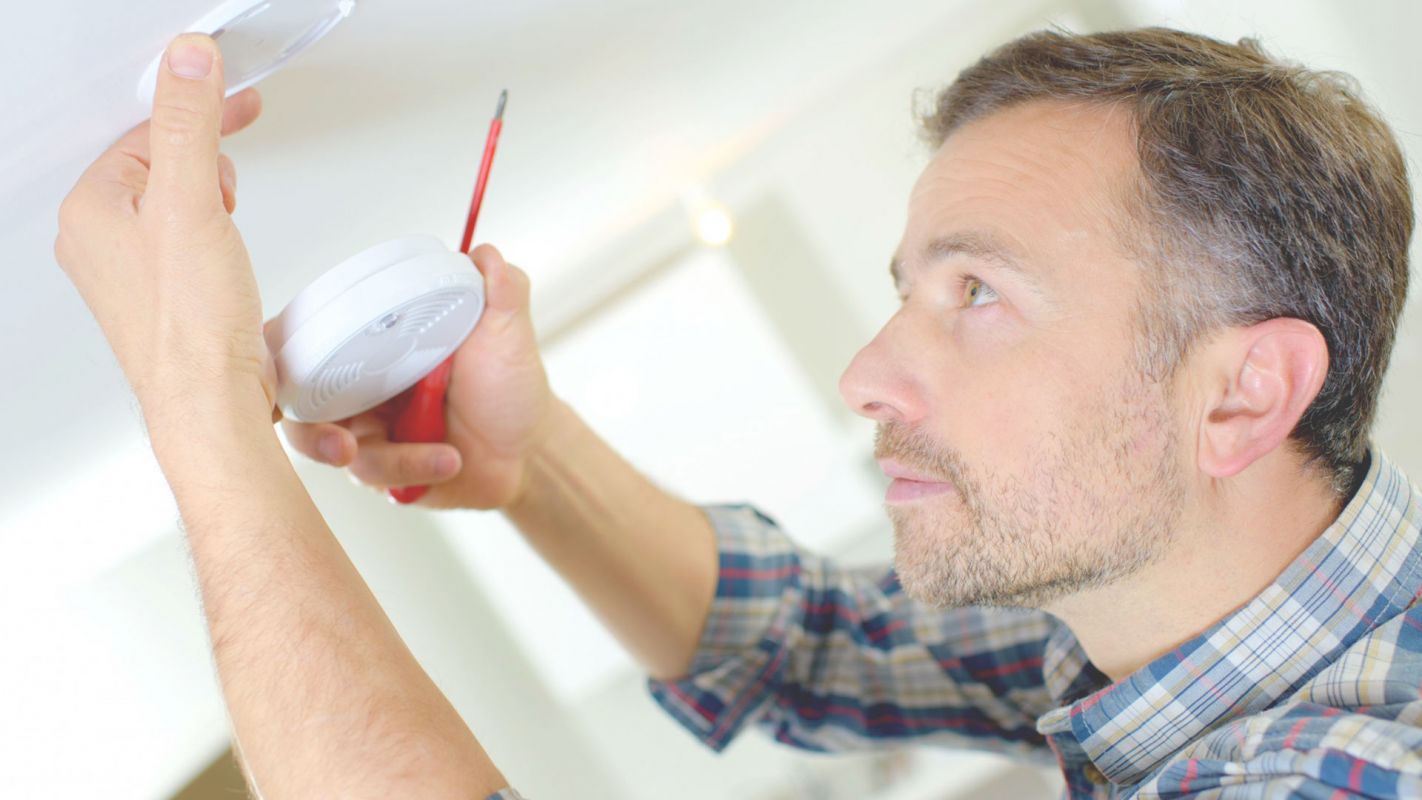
[{"x": 1311, "y": 690}]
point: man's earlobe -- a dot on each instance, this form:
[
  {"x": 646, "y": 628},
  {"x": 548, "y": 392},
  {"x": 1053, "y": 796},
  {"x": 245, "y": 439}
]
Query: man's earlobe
[{"x": 1269, "y": 374}]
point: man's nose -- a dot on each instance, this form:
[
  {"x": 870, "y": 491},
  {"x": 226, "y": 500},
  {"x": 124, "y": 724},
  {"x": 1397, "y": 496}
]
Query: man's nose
[{"x": 879, "y": 384}]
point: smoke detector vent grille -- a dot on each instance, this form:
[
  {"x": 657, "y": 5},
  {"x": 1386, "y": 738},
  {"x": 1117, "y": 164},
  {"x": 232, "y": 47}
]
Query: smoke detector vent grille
[{"x": 370, "y": 327}]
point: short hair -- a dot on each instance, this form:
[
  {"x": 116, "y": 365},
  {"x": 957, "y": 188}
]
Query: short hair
[{"x": 1267, "y": 190}]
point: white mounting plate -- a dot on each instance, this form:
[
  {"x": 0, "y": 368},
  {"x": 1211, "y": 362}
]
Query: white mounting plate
[
  {"x": 371, "y": 326},
  {"x": 257, "y": 37}
]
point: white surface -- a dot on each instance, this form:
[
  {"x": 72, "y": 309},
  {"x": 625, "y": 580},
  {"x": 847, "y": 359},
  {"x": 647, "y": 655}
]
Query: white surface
[
  {"x": 371, "y": 326},
  {"x": 109, "y": 687},
  {"x": 66, "y": 536}
]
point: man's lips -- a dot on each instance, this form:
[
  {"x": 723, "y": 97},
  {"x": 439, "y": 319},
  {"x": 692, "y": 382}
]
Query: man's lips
[{"x": 909, "y": 484}]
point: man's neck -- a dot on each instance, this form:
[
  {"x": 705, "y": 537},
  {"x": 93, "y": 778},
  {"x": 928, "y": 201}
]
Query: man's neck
[{"x": 1241, "y": 534}]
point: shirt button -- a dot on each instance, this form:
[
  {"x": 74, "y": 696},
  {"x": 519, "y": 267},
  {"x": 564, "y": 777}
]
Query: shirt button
[{"x": 1093, "y": 774}]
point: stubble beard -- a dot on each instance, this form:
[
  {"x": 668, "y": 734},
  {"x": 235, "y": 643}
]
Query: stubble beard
[{"x": 1089, "y": 507}]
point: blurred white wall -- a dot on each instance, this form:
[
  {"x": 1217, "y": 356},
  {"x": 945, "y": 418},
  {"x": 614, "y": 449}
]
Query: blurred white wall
[{"x": 108, "y": 681}]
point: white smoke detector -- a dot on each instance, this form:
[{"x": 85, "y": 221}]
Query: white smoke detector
[
  {"x": 257, "y": 37},
  {"x": 372, "y": 326}
]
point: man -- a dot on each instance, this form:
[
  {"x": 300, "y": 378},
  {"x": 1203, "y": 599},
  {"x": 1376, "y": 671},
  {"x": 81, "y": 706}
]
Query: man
[{"x": 1150, "y": 283}]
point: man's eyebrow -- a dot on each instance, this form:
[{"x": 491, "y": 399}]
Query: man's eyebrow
[{"x": 977, "y": 244}]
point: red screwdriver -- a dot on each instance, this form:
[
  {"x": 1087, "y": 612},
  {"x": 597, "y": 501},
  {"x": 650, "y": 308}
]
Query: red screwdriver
[{"x": 417, "y": 414}]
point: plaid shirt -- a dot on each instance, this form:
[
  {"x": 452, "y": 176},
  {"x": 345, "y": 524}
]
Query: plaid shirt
[{"x": 1311, "y": 690}]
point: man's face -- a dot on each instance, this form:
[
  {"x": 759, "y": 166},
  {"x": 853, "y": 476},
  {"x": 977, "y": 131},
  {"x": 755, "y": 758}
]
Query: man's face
[{"x": 1006, "y": 384}]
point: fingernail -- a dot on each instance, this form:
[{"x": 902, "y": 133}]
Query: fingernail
[
  {"x": 446, "y": 463},
  {"x": 190, "y": 59},
  {"x": 330, "y": 447}
]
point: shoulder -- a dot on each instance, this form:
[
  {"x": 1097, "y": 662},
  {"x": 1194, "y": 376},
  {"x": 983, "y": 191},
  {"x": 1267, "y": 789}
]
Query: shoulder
[
  {"x": 1302, "y": 749},
  {"x": 1355, "y": 725}
]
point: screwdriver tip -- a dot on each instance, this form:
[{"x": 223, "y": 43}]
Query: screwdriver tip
[{"x": 503, "y": 98}]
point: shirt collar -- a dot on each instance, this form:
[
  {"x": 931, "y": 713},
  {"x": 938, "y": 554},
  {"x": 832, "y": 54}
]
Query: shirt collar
[{"x": 1359, "y": 573}]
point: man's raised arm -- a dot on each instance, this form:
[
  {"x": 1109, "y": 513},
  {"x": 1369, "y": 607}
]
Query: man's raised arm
[{"x": 325, "y": 699}]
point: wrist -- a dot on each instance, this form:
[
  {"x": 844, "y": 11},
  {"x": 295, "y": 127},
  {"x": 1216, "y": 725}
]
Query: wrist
[
  {"x": 554, "y": 431},
  {"x": 179, "y": 416},
  {"x": 192, "y": 375}
]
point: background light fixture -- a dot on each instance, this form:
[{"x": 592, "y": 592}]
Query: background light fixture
[{"x": 710, "y": 220}]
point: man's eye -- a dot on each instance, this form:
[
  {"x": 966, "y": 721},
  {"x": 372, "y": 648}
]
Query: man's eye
[{"x": 977, "y": 293}]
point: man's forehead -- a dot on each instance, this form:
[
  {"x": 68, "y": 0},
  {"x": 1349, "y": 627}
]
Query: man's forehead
[
  {"x": 1089, "y": 145},
  {"x": 1026, "y": 181}
]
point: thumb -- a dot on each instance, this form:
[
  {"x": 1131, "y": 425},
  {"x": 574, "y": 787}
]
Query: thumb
[
  {"x": 505, "y": 286},
  {"x": 186, "y": 126}
]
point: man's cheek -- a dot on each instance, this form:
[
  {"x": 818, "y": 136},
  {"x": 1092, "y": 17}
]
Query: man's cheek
[{"x": 1002, "y": 414}]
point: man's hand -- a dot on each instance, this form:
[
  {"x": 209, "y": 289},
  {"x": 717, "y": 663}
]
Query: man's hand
[
  {"x": 499, "y": 408},
  {"x": 146, "y": 236}
]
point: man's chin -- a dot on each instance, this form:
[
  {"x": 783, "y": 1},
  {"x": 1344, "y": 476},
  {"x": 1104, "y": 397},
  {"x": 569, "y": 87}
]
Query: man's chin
[
  {"x": 920, "y": 590},
  {"x": 936, "y": 574},
  {"x": 917, "y": 562}
]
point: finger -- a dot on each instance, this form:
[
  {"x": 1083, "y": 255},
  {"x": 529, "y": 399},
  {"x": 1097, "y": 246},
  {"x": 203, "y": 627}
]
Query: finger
[
  {"x": 227, "y": 179},
  {"x": 384, "y": 464},
  {"x": 240, "y": 110},
  {"x": 184, "y": 130},
  {"x": 325, "y": 442},
  {"x": 335, "y": 443},
  {"x": 505, "y": 286},
  {"x": 367, "y": 425}
]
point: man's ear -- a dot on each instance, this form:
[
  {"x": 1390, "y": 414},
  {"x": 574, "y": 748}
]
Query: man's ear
[{"x": 1264, "y": 378}]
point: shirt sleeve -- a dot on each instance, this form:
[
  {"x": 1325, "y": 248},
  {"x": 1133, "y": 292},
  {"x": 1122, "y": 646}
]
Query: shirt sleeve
[
  {"x": 507, "y": 793},
  {"x": 833, "y": 659}
]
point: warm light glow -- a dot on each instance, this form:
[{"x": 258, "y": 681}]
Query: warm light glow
[
  {"x": 713, "y": 226},
  {"x": 710, "y": 220}
]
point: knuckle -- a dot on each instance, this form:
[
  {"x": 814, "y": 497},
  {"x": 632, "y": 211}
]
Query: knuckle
[
  {"x": 305, "y": 437},
  {"x": 69, "y": 210},
  {"x": 73, "y": 213},
  {"x": 409, "y": 465},
  {"x": 177, "y": 137},
  {"x": 362, "y": 473},
  {"x": 61, "y": 249},
  {"x": 177, "y": 123}
]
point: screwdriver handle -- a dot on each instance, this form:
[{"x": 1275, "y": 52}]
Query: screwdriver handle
[{"x": 420, "y": 418}]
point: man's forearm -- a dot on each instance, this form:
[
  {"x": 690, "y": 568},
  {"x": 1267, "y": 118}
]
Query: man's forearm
[
  {"x": 325, "y": 698},
  {"x": 643, "y": 560}
]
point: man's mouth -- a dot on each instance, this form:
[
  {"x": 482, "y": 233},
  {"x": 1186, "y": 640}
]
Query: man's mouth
[
  {"x": 909, "y": 484},
  {"x": 902, "y": 490}
]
